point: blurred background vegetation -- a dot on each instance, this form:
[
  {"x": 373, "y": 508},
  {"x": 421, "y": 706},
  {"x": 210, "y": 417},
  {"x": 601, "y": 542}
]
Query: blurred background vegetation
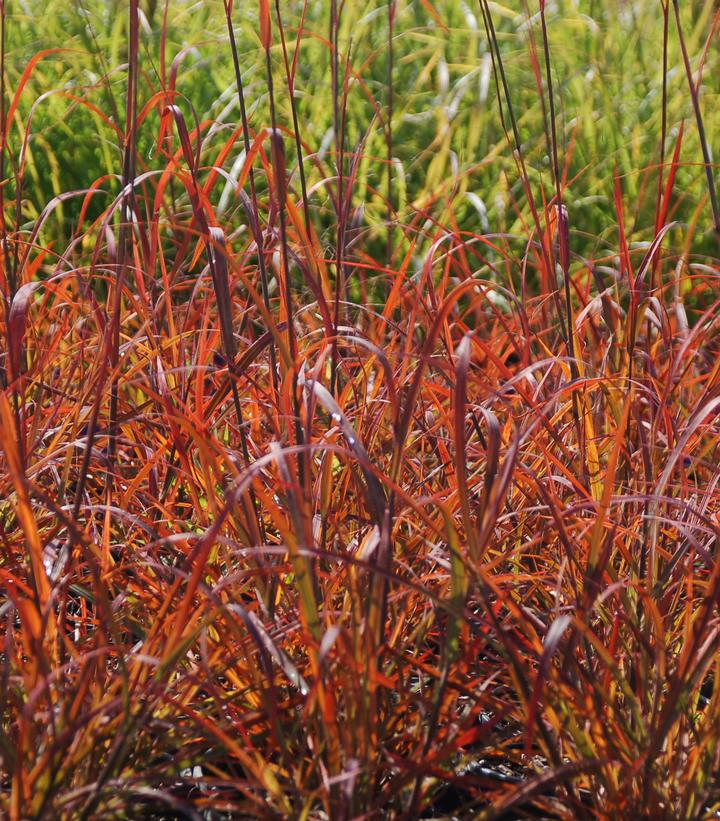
[{"x": 451, "y": 154}]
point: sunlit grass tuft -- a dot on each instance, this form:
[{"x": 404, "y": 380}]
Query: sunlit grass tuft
[{"x": 359, "y": 410}]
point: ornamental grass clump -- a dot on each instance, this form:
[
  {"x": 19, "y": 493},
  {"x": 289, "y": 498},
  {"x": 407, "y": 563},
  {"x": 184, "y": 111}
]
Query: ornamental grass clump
[{"x": 359, "y": 410}]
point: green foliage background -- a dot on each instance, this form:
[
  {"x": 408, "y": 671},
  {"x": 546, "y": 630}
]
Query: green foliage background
[{"x": 450, "y": 149}]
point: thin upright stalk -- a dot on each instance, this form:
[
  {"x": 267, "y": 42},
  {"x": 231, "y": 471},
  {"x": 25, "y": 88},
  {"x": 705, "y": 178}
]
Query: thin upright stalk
[
  {"x": 518, "y": 156},
  {"x": 293, "y": 109},
  {"x": 9, "y": 274},
  {"x": 279, "y": 169},
  {"x": 563, "y": 243},
  {"x": 389, "y": 130},
  {"x": 125, "y": 232},
  {"x": 255, "y": 220},
  {"x": 562, "y": 220},
  {"x": 278, "y": 154},
  {"x": 663, "y": 115},
  {"x": 695, "y": 96},
  {"x": 7, "y": 297},
  {"x": 339, "y": 165}
]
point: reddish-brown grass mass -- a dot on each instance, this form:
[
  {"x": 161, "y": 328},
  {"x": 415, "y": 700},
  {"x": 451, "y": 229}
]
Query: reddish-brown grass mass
[{"x": 363, "y": 520}]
